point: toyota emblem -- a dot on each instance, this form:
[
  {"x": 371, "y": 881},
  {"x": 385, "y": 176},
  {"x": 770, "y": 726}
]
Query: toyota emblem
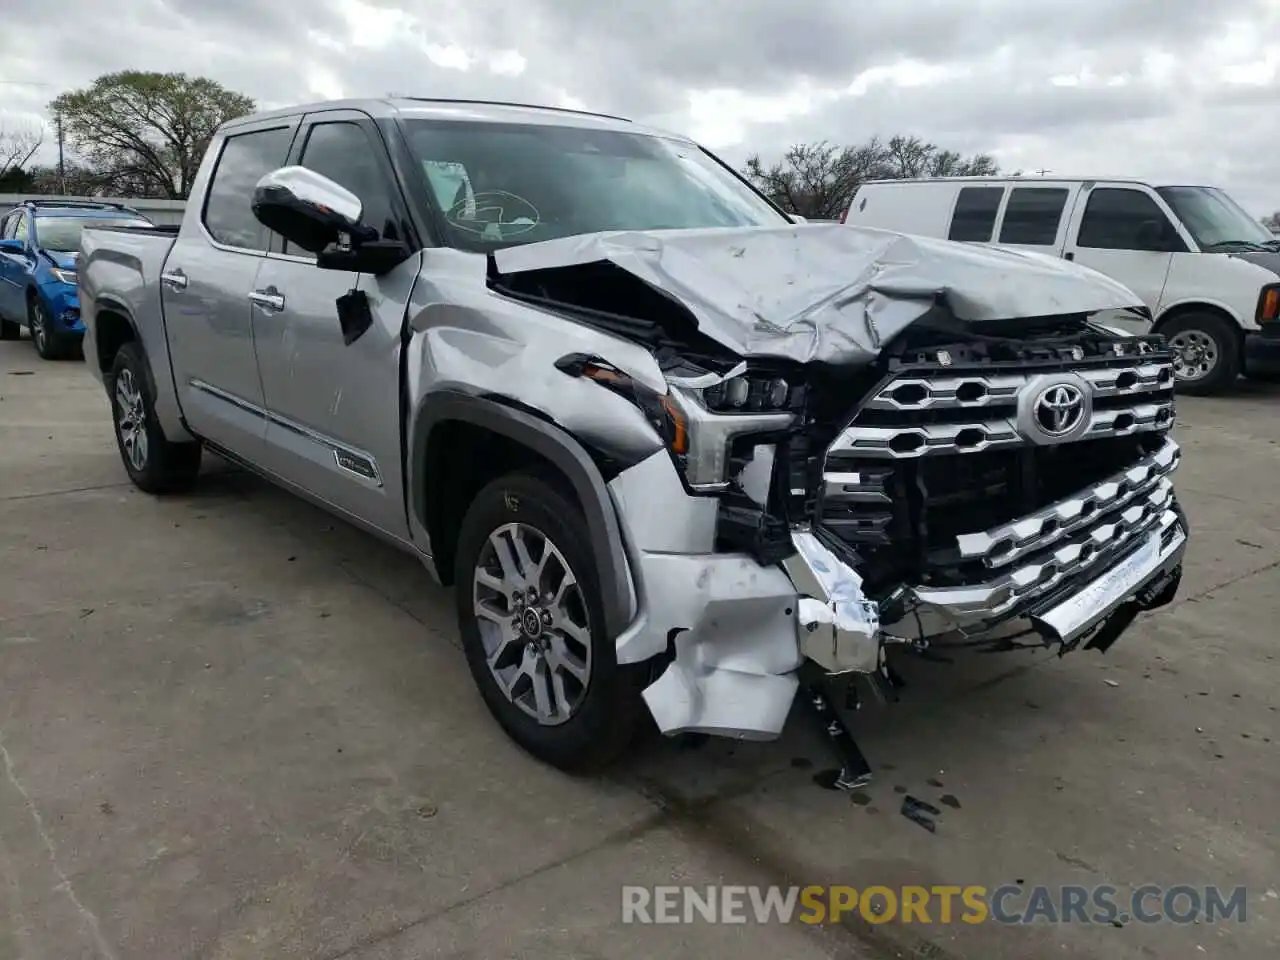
[{"x": 1059, "y": 409}]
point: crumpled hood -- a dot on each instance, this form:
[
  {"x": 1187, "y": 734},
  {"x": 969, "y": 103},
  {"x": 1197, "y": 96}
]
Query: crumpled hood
[{"x": 828, "y": 292}]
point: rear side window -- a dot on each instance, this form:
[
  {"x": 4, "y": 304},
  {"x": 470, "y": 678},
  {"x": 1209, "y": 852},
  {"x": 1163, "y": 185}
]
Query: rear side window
[
  {"x": 245, "y": 160},
  {"x": 975, "y": 214},
  {"x": 1114, "y": 218},
  {"x": 1032, "y": 216}
]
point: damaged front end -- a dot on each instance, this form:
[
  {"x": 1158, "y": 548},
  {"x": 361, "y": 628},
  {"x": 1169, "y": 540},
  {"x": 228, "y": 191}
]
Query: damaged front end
[{"x": 854, "y": 465}]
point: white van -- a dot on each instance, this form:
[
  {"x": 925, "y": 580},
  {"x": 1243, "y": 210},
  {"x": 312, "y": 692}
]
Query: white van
[{"x": 1208, "y": 271}]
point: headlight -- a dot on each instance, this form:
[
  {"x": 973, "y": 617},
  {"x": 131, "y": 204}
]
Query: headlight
[
  {"x": 63, "y": 276},
  {"x": 698, "y": 421},
  {"x": 1269, "y": 304}
]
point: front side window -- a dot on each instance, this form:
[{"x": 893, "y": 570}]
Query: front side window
[
  {"x": 62, "y": 234},
  {"x": 502, "y": 184},
  {"x": 342, "y": 152},
  {"x": 1032, "y": 215},
  {"x": 975, "y": 214},
  {"x": 1215, "y": 220},
  {"x": 245, "y": 159},
  {"x": 1121, "y": 218}
]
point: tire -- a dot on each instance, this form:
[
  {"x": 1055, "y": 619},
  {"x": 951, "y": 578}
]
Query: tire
[
  {"x": 603, "y": 714},
  {"x": 1210, "y": 346},
  {"x": 49, "y": 344},
  {"x": 154, "y": 463},
  {"x": 10, "y": 329}
]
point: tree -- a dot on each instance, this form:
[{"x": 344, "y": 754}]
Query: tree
[
  {"x": 17, "y": 147},
  {"x": 146, "y": 133},
  {"x": 818, "y": 180},
  {"x": 1272, "y": 222}
]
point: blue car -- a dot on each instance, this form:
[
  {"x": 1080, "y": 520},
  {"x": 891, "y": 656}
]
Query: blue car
[{"x": 39, "y": 243}]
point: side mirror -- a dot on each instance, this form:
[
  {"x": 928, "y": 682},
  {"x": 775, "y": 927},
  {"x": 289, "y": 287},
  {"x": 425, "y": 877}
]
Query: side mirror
[
  {"x": 797, "y": 218},
  {"x": 12, "y": 246},
  {"x": 309, "y": 209}
]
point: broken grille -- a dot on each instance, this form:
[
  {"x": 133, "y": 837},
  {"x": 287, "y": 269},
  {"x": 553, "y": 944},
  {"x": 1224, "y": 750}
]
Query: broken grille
[{"x": 942, "y": 479}]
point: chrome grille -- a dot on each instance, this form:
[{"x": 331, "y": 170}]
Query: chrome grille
[
  {"x": 1129, "y": 399},
  {"x": 945, "y": 478}
]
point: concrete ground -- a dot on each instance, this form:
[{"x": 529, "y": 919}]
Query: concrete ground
[{"x": 231, "y": 726}]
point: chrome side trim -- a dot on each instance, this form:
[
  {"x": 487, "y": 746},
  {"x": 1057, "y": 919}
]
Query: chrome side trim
[{"x": 349, "y": 459}]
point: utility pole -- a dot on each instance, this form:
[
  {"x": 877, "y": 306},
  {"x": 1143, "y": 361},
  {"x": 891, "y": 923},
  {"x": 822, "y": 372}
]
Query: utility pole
[{"x": 62, "y": 169}]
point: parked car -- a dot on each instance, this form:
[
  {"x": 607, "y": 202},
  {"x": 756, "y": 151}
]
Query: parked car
[
  {"x": 1208, "y": 271},
  {"x": 39, "y": 243},
  {"x": 677, "y": 454}
]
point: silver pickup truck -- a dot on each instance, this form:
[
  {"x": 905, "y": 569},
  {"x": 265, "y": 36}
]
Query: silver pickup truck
[{"x": 680, "y": 455}]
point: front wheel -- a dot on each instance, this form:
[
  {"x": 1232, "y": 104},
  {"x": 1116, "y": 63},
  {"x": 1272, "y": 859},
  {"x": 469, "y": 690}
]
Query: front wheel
[
  {"x": 154, "y": 463},
  {"x": 1206, "y": 353},
  {"x": 532, "y": 626},
  {"x": 50, "y": 344}
]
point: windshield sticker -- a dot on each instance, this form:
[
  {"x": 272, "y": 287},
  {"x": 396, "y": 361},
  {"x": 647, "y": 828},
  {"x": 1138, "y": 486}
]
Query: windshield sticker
[{"x": 494, "y": 215}]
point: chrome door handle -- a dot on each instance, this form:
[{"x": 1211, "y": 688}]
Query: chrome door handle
[
  {"x": 176, "y": 279},
  {"x": 268, "y": 301}
]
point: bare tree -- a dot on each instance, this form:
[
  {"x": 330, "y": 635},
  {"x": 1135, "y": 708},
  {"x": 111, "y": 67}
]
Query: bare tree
[
  {"x": 817, "y": 180},
  {"x": 1272, "y": 222},
  {"x": 17, "y": 147}
]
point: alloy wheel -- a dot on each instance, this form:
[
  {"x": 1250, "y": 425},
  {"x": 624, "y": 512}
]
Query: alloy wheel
[
  {"x": 131, "y": 420},
  {"x": 533, "y": 623}
]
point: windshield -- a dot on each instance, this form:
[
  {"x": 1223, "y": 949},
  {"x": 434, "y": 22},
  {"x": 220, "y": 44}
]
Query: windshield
[
  {"x": 504, "y": 184},
  {"x": 62, "y": 234},
  {"x": 1215, "y": 220}
]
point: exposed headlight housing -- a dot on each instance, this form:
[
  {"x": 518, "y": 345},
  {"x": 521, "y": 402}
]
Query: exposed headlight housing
[
  {"x": 62, "y": 275},
  {"x": 699, "y": 418}
]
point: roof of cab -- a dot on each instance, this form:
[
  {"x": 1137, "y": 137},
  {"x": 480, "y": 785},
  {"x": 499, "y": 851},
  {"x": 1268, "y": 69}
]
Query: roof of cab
[{"x": 473, "y": 111}]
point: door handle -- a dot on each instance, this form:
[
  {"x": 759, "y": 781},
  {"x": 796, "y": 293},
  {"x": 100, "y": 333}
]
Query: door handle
[
  {"x": 176, "y": 279},
  {"x": 268, "y": 299}
]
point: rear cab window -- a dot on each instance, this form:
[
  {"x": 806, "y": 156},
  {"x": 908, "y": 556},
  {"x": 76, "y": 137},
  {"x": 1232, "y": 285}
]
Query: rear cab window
[
  {"x": 245, "y": 159},
  {"x": 1033, "y": 215}
]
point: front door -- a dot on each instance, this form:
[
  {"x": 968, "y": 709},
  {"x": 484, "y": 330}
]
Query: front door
[
  {"x": 334, "y": 408},
  {"x": 15, "y": 269},
  {"x": 205, "y": 287},
  {"x": 1123, "y": 232}
]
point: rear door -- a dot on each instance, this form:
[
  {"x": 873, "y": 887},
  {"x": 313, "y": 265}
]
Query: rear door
[
  {"x": 1033, "y": 217},
  {"x": 205, "y": 287},
  {"x": 1122, "y": 230},
  {"x": 973, "y": 217},
  {"x": 334, "y": 408}
]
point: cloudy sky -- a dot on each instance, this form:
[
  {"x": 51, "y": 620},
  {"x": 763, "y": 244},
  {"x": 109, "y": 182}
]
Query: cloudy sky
[{"x": 1181, "y": 89}]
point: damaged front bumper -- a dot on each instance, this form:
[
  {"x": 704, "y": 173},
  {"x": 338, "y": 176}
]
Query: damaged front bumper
[{"x": 741, "y": 630}]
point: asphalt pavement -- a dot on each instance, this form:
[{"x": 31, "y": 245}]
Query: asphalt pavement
[{"x": 234, "y": 727}]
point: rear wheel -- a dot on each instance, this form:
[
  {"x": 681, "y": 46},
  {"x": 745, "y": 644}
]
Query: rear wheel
[
  {"x": 154, "y": 463},
  {"x": 532, "y": 626},
  {"x": 1206, "y": 352}
]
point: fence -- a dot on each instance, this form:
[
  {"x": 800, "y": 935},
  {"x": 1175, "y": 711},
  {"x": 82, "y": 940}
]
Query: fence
[{"x": 163, "y": 212}]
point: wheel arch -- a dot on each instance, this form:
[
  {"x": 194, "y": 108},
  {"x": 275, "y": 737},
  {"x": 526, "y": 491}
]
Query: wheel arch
[{"x": 460, "y": 442}]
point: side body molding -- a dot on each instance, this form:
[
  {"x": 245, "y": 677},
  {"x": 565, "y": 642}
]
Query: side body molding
[{"x": 561, "y": 449}]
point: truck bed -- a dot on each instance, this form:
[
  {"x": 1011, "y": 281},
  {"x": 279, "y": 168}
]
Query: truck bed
[{"x": 125, "y": 264}]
